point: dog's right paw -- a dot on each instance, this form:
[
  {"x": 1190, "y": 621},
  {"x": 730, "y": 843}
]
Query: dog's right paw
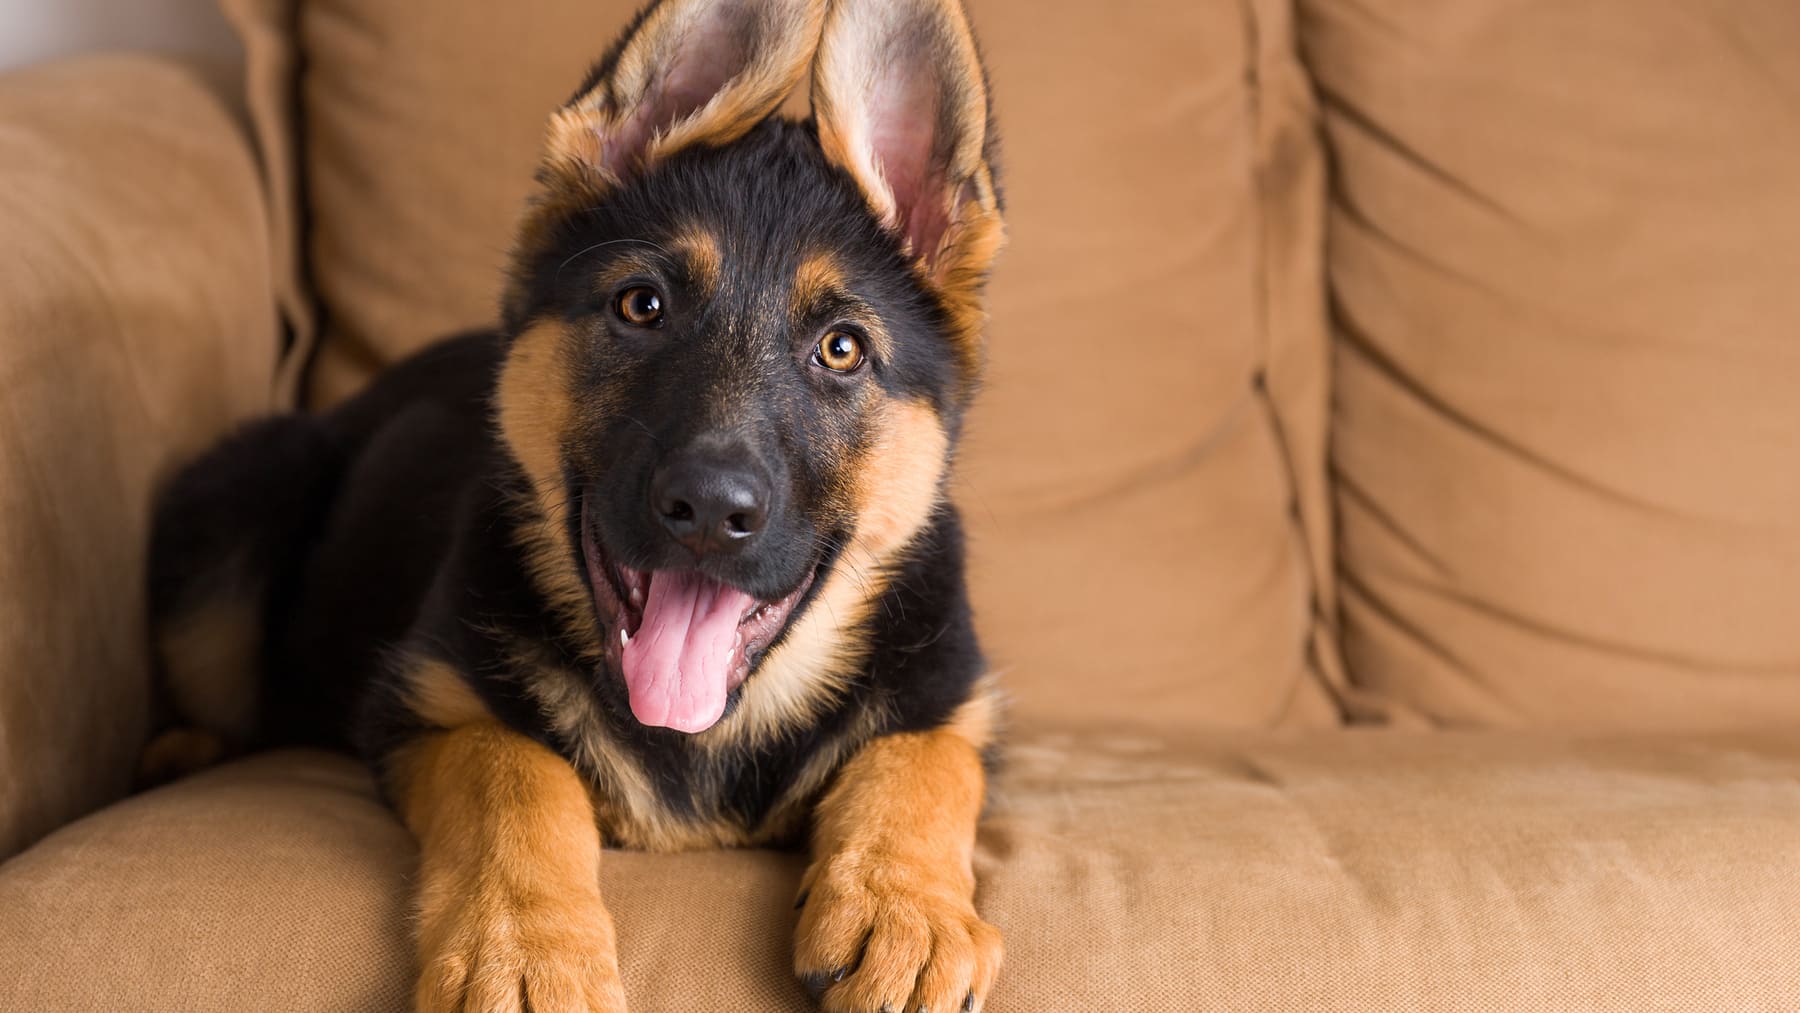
[
  {"x": 541, "y": 957},
  {"x": 883, "y": 937}
]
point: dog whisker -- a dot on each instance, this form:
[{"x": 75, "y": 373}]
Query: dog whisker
[{"x": 584, "y": 251}]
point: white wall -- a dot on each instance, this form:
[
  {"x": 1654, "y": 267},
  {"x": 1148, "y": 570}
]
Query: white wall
[{"x": 33, "y": 30}]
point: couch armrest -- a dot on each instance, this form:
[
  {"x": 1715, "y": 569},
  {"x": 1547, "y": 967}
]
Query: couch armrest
[{"x": 136, "y": 323}]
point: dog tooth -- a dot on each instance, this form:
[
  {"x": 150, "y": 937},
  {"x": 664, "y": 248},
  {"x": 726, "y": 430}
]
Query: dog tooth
[
  {"x": 624, "y": 638},
  {"x": 637, "y": 598}
]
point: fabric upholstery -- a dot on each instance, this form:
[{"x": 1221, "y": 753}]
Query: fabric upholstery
[
  {"x": 1562, "y": 398},
  {"x": 135, "y": 325},
  {"x": 1154, "y": 419},
  {"x": 1345, "y": 871},
  {"x": 1564, "y": 240}
]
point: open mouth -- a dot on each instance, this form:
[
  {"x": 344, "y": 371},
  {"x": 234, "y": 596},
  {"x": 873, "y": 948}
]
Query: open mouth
[{"x": 683, "y": 641}]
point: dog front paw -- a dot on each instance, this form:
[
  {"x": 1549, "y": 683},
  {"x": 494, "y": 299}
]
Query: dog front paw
[
  {"x": 540, "y": 957},
  {"x": 886, "y": 938}
]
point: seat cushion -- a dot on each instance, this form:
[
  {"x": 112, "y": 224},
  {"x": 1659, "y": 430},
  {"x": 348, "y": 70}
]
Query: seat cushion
[
  {"x": 1564, "y": 240},
  {"x": 1345, "y": 871},
  {"x": 1144, "y": 478}
]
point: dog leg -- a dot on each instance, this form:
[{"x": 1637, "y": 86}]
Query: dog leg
[
  {"x": 888, "y": 917},
  {"x": 510, "y": 916}
]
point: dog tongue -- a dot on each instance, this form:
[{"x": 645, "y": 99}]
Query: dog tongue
[{"x": 677, "y": 666}]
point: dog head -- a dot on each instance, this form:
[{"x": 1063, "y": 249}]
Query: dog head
[{"x": 741, "y": 347}]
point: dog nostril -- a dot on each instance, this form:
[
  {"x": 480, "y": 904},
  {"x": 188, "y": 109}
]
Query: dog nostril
[{"x": 708, "y": 505}]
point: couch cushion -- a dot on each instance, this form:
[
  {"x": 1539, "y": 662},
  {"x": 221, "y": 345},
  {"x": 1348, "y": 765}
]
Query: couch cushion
[
  {"x": 1366, "y": 871},
  {"x": 136, "y": 324},
  {"x": 1145, "y": 478},
  {"x": 1564, "y": 245}
]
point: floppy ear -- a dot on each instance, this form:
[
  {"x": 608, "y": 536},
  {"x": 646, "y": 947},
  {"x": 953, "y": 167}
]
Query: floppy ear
[
  {"x": 902, "y": 104},
  {"x": 685, "y": 72}
]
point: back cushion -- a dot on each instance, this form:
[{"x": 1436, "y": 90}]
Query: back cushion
[
  {"x": 1144, "y": 479},
  {"x": 1565, "y": 263}
]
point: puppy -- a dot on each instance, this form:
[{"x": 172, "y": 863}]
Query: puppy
[{"x": 666, "y": 562}]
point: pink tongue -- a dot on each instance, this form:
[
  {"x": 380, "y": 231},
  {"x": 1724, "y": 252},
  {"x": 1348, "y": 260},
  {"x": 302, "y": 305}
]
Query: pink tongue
[{"x": 677, "y": 665}]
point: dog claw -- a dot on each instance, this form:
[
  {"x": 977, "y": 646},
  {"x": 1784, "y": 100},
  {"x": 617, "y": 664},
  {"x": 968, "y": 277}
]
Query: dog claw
[
  {"x": 969, "y": 1002},
  {"x": 816, "y": 982},
  {"x": 800, "y": 902}
]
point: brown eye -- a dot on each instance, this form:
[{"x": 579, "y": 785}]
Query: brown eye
[
  {"x": 839, "y": 351},
  {"x": 640, "y": 306}
]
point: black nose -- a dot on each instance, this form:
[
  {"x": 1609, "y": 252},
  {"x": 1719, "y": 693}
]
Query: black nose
[{"x": 710, "y": 501}]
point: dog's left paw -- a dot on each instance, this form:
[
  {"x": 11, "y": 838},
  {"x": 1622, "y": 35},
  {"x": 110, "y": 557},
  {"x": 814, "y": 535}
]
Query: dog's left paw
[{"x": 877, "y": 937}]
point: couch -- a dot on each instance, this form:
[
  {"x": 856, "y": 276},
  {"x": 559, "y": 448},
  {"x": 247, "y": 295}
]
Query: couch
[{"x": 1385, "y": 502}]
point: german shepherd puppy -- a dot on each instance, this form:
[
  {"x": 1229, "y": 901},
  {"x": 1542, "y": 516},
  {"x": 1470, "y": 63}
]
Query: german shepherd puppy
[{"x": 667, "y": 562}]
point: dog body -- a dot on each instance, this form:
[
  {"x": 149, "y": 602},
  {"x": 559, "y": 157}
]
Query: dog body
[{"x": 666, "y": 562}]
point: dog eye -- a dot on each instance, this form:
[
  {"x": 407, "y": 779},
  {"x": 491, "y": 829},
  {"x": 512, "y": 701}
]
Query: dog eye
[
  {"x": 640, "y": 306},
  {"x": 839, "y": 351}
]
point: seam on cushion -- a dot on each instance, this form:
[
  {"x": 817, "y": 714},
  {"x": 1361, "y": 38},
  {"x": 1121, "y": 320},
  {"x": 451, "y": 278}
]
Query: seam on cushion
[
  {"x": 297, "y": 366},
  {"x": 1356, "y": 117},
  {"x": 1473, "y": 678},
  {"x": 1501, "y": 614},
  {"x": 1351, "y": 492},
  {"x": 273, "y": 61},
  {"x": 1322, "y": 661},
  {"x": 1357, "y": 340}
]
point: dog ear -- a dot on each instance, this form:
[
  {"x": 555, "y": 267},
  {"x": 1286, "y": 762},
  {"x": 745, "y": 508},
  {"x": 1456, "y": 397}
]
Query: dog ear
[
  {"x": 684, "y": 72},
  {"x": 902, "y": 104}
]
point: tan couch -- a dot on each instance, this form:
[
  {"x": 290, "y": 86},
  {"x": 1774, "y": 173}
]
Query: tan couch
[{"x": 1386, "y": 501}]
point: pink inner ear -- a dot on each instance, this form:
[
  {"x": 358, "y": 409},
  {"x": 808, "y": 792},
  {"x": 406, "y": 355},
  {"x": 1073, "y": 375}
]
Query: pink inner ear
[
  {"x": 710, "y": 54},
  {"x": 903, "y": 114}
]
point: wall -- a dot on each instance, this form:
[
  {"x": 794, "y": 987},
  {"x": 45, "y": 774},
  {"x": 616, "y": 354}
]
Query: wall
[{"x": 33, "y": 30}]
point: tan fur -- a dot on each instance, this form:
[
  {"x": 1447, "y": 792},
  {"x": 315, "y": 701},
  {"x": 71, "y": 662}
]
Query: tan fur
[
  {"x": 210, "y": 656},
  {"x": 900, "y": 480},
  {"x": 535, "y": 406},
  {"x": 962, "y": 266},
  {"x": 441, "y": 697},
  {"x": 533, "y": 402},
  {"x": 509, "y": 910},
  {"x": 705, "y": 261},
  {"x": 818, "y": 278},
  {"x": 890, "y": 892},
  {"x": 977, "y": 721}
]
